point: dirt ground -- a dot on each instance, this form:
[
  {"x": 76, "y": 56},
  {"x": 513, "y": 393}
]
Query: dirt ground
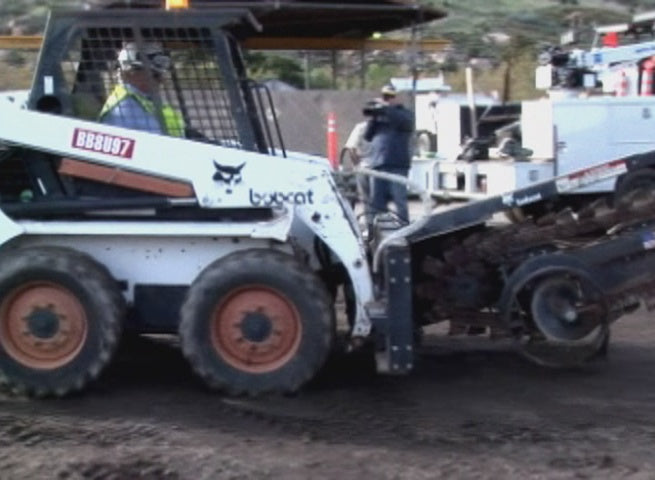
[{"x": 468, "y": 411}]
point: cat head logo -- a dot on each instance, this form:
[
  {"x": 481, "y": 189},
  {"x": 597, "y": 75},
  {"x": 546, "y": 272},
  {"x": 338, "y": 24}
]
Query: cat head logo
[{"x": 230, "y": 176}]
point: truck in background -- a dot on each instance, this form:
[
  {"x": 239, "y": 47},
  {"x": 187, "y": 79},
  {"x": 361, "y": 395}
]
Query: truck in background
[
  {"x": 433, "y": 98},
  {"x": 599, "y": 106}
]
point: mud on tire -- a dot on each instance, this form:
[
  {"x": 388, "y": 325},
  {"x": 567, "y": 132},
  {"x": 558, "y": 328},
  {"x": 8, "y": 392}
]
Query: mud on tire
[
  {"x": 60, "y": 320},
  {"x": 257, "y": 321}
]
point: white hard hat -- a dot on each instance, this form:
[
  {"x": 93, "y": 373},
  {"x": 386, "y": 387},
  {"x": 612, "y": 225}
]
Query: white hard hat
[
  {"x": 146, "y": 55},
  {"x": 388, "y": 90}
]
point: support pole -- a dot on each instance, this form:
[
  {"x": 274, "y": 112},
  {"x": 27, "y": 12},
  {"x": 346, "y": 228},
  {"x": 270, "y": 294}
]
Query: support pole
[
  {"x": 470, "y": 94},
  {"x": 307, "y": 70},
  {"x": 362, "y": 68}
]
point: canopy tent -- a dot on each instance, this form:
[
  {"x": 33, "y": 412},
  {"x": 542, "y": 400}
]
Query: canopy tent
[{"x": 314, "y": 19}]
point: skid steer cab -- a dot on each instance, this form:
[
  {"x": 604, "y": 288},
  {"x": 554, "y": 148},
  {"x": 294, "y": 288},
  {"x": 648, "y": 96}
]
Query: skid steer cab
[{"x": 144, "y": 185}]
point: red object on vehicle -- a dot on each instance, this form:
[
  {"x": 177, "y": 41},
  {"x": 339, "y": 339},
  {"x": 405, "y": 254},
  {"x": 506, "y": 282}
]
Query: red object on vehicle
[
  {"x": 611, "y": 39},
  {"x": 647, "y": 71},
  {"x": 332, "y": 141}
]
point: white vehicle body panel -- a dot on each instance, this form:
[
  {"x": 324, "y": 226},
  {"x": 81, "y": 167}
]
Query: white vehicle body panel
[
  {"x": 147, "y": 260},
  {"x": 17, "y": 97},
  {"x": 300, "y": 190}
]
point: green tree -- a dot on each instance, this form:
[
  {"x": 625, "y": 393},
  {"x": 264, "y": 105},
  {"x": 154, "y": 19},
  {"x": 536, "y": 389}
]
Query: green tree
[
  {"x": 264, "y": 66},
  {"x": 13, "y": 7}
]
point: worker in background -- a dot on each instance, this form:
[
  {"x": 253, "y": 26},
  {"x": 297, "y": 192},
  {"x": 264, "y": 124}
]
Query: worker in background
[
  {"x": 358, "y": 156},
  {"x": 389, "y": 129},
  {"x": 133, "y": 102}
]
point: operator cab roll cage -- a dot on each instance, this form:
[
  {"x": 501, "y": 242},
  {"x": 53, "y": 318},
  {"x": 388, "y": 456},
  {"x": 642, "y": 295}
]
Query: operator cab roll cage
[{"x": 207, "y": 83}]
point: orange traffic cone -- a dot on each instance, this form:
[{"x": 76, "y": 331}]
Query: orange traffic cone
[{"x": 332, "y": 142}]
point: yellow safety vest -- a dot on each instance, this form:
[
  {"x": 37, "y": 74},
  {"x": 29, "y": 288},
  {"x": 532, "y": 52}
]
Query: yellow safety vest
[{"x": 172, "y": 119}]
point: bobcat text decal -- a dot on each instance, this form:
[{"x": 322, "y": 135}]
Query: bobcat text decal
[
  {"x": 273, "y": 199},
  {"x": 511, "y": 201},
  {"x": 103, "y": 143}
]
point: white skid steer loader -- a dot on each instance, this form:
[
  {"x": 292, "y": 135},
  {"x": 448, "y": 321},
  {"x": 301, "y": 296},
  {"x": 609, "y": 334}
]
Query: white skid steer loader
[{"x": 199, "y": 223}]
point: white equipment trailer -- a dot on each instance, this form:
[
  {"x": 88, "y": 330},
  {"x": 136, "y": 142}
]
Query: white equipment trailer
[{"x": 599, "y": 107}]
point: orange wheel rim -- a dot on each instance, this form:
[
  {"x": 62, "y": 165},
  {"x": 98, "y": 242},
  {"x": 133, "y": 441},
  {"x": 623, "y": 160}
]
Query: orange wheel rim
[
  {"x": 42, "y": 325},
  {"x": 256, "y": 329}
]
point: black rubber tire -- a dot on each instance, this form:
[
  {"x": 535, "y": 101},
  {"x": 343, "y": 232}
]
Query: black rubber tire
[
  {"x": 252, "y": 269},
  {"x": 637, "y": 180},
  {"x": 82, "y": 280}
]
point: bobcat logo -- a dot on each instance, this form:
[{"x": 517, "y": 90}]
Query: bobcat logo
[{"x": 228, "y": 175}]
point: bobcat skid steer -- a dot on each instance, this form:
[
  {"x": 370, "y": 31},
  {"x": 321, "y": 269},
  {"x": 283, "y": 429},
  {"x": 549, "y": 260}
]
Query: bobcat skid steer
[{"x": 216, "y": 233}]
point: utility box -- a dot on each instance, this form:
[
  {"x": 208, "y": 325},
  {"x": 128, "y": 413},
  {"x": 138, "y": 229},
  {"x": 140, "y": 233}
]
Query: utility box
[{"x": 576, "y": 133}]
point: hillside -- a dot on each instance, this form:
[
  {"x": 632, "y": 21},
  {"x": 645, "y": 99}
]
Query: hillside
[
  {"x": 542, "y": 20},
  {"x": 523, "y": 26}
]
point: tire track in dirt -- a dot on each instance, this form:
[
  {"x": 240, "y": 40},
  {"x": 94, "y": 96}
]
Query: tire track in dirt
[{"x": 467, "y": 411}]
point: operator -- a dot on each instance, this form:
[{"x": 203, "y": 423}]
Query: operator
[
  {"x": 133, "y": 102},
  {"x": 389, "y": 129}
]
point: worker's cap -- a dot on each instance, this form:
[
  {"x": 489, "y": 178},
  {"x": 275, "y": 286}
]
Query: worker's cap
[
  {"x": 388, "y": 90},
  {"x": 145, "y": 55}
]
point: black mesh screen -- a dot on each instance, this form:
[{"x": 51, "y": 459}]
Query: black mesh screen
[{"x": 187, "y": 98}]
